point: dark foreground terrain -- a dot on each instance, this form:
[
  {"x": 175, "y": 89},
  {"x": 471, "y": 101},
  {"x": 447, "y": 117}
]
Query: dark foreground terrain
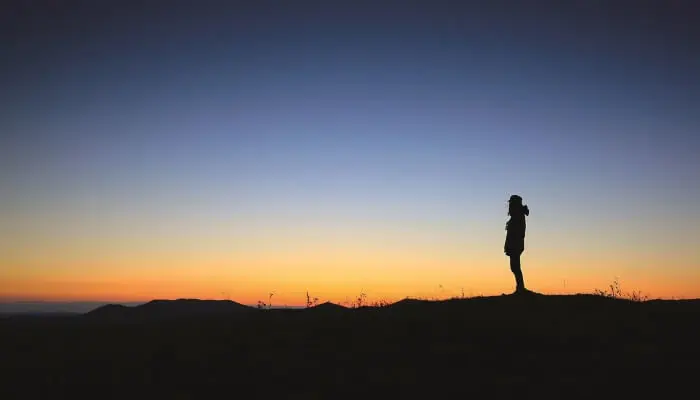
[{"x": 537, "y": 346}]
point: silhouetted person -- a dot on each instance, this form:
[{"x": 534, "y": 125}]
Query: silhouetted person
[{"x": 515, "y": 238}]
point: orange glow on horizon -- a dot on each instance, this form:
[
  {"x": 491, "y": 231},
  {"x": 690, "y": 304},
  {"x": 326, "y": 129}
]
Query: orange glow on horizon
[
  {"x": 385, "y": 265},
  {"x": 338, "y": 285}
]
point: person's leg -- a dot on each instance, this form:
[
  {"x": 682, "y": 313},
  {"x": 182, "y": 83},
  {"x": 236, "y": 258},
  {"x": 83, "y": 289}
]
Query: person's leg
[
  {"x": 521, "y": 279},
  {"x": 515, "y": 268}
]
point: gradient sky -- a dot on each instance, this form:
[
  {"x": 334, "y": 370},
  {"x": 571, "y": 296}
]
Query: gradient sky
[{"x": 201, "y": 150}]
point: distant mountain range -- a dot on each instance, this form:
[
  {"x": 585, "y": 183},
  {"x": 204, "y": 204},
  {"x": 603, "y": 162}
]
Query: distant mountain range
[
  {"x": 74, "y": 307},
  {"x": 158, "y": 309},
  {"x": 44, "y": 307},
  {"x": 85, "y": 307}
]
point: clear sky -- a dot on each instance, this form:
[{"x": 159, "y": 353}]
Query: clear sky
[{"x": 196, "y": 150}]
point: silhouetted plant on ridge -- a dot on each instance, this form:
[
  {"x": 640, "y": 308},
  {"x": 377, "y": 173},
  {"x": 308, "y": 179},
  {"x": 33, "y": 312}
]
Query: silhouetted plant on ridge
[
  {"x": 361, "y": 300},
  {"x": 380, "y": 303},
  {"x": 309, "y": 301},
  {"x": 615, "y": 291},
  {"x": 262, "y": 305}
]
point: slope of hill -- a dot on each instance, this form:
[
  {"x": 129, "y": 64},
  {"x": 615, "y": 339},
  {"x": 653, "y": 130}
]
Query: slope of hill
[
  {"x": 328, "y": 307},
  {"x": 548, "y": 346},
  {"x": 168, "y": 309}
]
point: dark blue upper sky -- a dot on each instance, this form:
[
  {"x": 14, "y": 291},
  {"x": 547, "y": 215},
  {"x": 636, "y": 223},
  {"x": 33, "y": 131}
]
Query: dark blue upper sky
[{"x": 354, "y": 109}]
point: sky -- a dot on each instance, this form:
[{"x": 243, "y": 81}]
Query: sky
[{"x": 183, "y": 149}]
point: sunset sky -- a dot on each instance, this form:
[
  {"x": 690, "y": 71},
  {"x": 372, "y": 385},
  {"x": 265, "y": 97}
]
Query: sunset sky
[{"x": 339, "y": 147}]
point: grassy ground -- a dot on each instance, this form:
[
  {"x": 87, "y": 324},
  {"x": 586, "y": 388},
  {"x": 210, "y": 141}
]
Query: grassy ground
[{"x": 545, "y": 346}]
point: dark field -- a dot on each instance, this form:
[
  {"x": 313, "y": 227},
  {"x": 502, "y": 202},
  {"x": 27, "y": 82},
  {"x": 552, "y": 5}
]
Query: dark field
[{"x": 537, "y": 346}]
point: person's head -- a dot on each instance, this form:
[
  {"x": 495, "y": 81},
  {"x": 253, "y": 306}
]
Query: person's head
[{"x": 516, "y": 206}]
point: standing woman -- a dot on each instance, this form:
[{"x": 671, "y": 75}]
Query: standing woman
[{"x": 515, "y": 238}]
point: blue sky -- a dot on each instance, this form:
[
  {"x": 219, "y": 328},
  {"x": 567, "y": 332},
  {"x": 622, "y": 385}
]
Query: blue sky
[{"x": 352, "y": 118}]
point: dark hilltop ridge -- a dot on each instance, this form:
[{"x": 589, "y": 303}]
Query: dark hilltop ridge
[
  {"x": 573, "y": 346},
  {"x": 159, "y": 309}
]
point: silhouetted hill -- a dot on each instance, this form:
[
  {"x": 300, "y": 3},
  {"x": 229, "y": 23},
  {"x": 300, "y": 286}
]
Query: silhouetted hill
[
  {"x": 110, "y": 311},
  {"x": 160, "y": 309},
  {"x": 183, "y": 308},
  {"x": 534, "y": 345},
  {"x": 327, "y": 307},
  {"x": 409, "y": 304}
]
